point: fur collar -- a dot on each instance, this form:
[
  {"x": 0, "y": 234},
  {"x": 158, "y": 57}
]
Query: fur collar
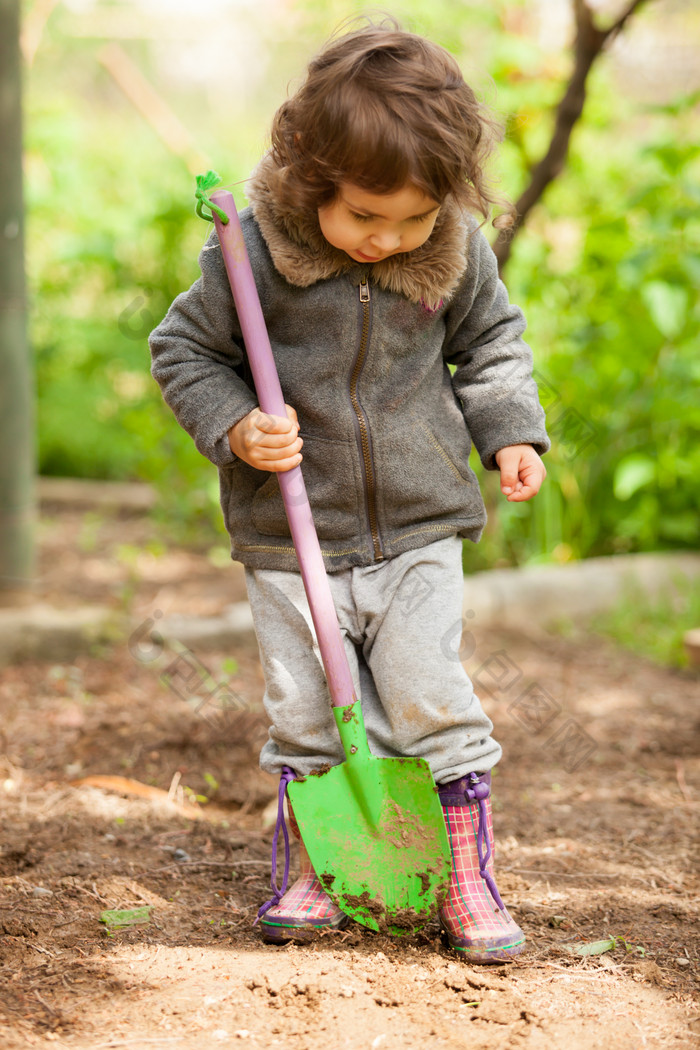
[{"x": 428, "y": 275}]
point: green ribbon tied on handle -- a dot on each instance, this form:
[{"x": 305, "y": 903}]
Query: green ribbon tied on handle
[{"x": 206, "y": 183}]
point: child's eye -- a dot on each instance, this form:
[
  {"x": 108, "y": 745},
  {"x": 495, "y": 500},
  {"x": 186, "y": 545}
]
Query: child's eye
[{"x": 361, "y": 218}]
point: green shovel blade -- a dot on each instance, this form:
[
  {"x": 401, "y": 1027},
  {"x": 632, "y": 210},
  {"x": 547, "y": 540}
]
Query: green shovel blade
[{"x": 375, "y": 833}]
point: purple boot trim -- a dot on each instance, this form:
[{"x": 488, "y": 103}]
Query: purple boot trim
[
  {"x": 474, "y": 787},
  {"x": 278, "y": 892}
]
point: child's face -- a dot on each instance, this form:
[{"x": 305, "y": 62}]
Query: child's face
[{"x": 372, "y": 226}]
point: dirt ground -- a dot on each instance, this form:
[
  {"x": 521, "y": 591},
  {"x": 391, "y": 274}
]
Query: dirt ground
[{"x": 595, "y": 805}]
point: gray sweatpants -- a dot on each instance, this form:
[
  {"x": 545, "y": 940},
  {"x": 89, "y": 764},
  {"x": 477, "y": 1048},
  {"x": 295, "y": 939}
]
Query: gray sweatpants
[{"x": 399, "y": 620}]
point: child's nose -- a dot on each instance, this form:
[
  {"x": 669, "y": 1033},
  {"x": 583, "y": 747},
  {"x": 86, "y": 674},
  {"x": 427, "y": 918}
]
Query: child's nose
[{"x": 387, "y": 240}]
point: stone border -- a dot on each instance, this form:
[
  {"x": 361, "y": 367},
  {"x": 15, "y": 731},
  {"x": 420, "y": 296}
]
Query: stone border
[
  {"x": 130, "y": 497},
  {"x": 44, "y": 632},
  {"x": 538, "y": 596},
  {"x": 531, "y": 598}
]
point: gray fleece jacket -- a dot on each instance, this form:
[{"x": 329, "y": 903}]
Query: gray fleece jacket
[{"x": 362, "y": 354}]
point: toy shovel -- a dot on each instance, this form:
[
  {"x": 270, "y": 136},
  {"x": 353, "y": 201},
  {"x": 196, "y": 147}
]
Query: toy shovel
[{"x": 373, "y": 827}]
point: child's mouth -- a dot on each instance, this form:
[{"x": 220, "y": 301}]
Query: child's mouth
[{"x": 368, "y": 258}]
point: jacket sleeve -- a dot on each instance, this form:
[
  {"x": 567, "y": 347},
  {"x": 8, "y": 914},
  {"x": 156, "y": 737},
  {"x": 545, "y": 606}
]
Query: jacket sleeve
[
  {"x": 493, "y": 374},
  {"x": 195, "y": 351}
]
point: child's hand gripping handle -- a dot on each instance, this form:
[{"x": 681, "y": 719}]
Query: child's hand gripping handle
[{"x": 296, "y": 503}]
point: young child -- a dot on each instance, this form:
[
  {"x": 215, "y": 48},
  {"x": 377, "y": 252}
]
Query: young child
[{"x": 374, "y": 278}]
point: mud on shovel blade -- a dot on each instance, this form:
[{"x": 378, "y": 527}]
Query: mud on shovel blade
[
  {"x": 373, "y": 827},
  {"x": 375, "y": 833}
]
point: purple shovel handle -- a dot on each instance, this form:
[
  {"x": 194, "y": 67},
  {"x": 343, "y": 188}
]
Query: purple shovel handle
[{"x": 296, "y": 503}]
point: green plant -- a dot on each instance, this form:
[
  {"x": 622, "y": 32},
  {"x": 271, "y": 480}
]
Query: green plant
[
  {"x": 654, "y": 627},
  {"x": 618, "y": 323}
]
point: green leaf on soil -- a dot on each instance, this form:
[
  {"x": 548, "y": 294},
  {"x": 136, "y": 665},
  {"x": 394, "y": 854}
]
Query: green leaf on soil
[
  {"x": 126, "y": 916},
  {"x": 557, "y": 920},
  {"x": 599, "y": 947},
  {"x": 591, "y": 947},
  {"x": 636, "y": 948}
]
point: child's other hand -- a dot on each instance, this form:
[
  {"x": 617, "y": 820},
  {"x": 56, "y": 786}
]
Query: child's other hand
[
  {"x": 267, "y": 442},
  {"x": 522, "y": 472}
]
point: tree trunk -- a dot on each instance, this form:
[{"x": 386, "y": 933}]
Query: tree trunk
[
  {"x": 588, "y": 45},
  {"x": 16, "y": 388}
]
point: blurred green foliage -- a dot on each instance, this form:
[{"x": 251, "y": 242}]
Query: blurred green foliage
[
  {"x": 607, "y": 273},
  {"x": 606, "y": 270}
]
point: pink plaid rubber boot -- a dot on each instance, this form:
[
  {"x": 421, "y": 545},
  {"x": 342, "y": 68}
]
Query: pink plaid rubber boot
[
  {"x": 473, "y": 916},
  {"x": 305, "y": 910}
]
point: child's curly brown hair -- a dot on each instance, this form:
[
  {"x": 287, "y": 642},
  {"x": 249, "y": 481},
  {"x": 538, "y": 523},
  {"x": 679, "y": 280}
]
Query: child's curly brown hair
[{"x": 381, "y": 108}]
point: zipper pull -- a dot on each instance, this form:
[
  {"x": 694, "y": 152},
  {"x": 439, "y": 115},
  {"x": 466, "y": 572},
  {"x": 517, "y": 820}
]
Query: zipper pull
[{"x": 364, "y": 291}]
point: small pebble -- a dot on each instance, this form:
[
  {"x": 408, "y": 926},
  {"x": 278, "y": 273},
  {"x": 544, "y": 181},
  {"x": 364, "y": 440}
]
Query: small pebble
[
  {"x": 41, "y": 891},
  {"x": 181, "y": 856},
  {"x": 683, "y": 962}
]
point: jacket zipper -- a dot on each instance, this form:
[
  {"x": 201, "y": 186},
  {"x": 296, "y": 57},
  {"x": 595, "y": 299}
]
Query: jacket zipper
[{"x": 369, "y": 473}]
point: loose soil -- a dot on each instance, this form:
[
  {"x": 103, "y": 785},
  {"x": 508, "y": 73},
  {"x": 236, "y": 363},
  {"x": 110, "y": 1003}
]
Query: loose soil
[{"x": 595, "y": 805}]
